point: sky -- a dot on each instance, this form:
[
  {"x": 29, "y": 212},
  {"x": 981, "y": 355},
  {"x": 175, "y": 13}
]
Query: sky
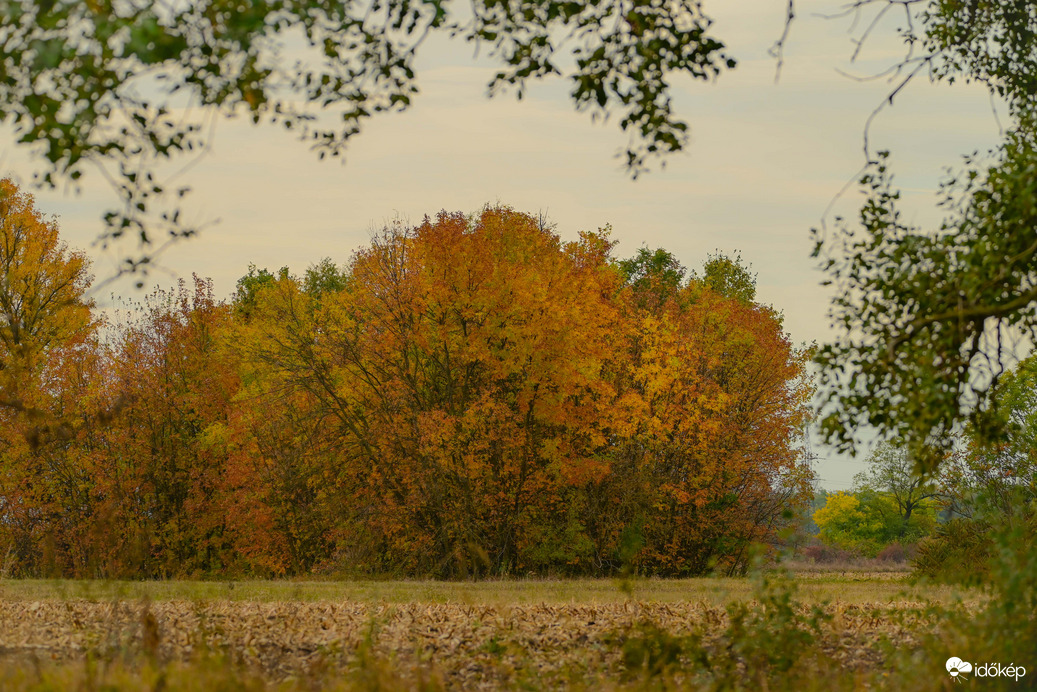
[{"x": 766, "y": 162}]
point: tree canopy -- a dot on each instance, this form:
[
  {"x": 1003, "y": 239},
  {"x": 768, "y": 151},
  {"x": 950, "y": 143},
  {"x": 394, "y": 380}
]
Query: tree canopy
[
  {"x": 925, "y": 313},
  {"x": 113, "y": 84},
  {"x": 996, "y": 481},
  {"x": 931, "y": 317},
  {"x": 43, "y": 307},
  {"x": 892, "y": 473},
  {"x": 468, "y": 396}
]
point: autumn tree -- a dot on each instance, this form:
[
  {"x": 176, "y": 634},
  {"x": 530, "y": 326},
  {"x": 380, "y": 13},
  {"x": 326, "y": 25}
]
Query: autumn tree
[
  {"x": 842, "y": 522},
  {"x": 167, "y": 447},
  {"x": 469, "y": 396},
  {"x": 43, "y": 303},
  {"x": 290, "y": 496},
  {"x": 134, "y": 484},
  {"x": 460, "y": 367},
  {"x": 715, "y": 396},
  {"x": 47, "y": 336}
]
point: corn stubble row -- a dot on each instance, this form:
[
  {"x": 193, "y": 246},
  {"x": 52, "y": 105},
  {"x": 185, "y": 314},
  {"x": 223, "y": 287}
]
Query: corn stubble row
[{"x": 474, "y": 645}]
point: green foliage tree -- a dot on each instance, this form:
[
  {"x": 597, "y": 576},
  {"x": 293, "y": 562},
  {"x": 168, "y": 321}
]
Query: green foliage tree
[
  {"x": 924, "y": 313},
  {"x": 655, "y": 276},
  {"x": 866, "y": 520},
  {"x": 647, "y": 267},
  {"x": 249, "y": 286},
  {"x": 730, "y": 277},
  {"x": 325, "y": 277},
  {"x": 892, "y": 474},
  {"x": 106, "y": 83},
  {"x": 990, "y": 488}
]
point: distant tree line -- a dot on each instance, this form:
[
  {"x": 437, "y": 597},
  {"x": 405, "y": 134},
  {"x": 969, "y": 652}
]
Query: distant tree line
[{"x": 953, "y": 518}]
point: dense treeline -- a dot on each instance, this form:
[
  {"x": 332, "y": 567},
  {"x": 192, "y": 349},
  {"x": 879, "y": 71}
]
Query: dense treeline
[{"x": 471, "y": 396}]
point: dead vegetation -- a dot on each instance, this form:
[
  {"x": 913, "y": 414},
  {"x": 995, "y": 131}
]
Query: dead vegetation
[{"x": 457, "y": 646}]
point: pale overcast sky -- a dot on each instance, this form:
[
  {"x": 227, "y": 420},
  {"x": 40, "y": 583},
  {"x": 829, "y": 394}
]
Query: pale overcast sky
[{"x": 765, "y": 162}]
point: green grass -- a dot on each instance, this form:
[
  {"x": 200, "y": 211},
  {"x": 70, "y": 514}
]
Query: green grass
[{"x": 848, "y": 587}]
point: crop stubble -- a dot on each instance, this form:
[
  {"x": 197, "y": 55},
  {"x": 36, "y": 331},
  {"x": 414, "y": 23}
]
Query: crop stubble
[{"x": 470, "y": 645}]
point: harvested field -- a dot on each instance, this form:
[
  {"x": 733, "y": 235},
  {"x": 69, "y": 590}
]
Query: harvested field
[
  {"x": 501, "y": 642},
  {"x": 472, "y": 645}
]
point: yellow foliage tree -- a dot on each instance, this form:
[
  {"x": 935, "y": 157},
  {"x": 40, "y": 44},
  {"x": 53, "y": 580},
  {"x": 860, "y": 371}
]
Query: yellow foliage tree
[
  {"x": 47, "y": 359},
  {"x": 42, "y": 296}
]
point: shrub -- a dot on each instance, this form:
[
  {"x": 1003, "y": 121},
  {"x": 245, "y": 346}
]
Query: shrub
[
  {"x": 650, "y": 651},
  {"x": 897, "y": 552},
  {"x": 960, "y": 552},
  {"x": 771, "y": 643}
]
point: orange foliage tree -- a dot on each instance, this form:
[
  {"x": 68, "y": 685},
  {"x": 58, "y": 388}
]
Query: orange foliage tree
[
  {"x": 715, "y": 397},
  {"x": 46, "y": 359},
  {"x": 726, "y": 398},
  {"x": 470, "y": 396},
  {"x": 285, "y": 493},
  {"x": 459, "y": 369},
  {"x": 130, "y": 481},
  {"x": 497, "y": 400},
  {"x": 167, "y": 460}
]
